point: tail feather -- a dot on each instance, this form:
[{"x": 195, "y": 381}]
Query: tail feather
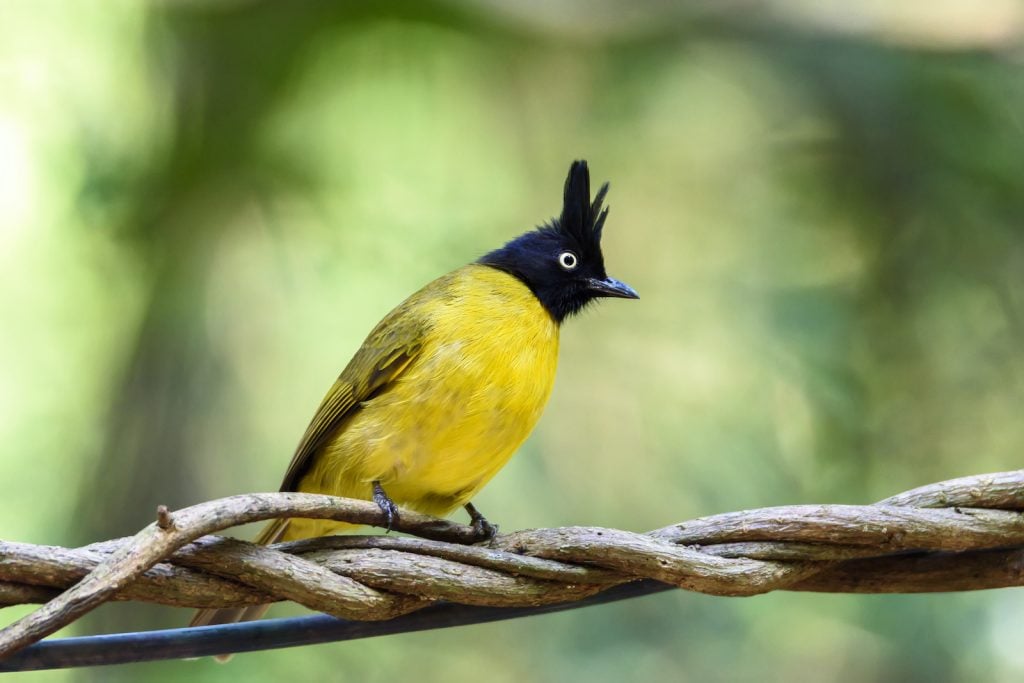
[{"x": 272, "y": 533}]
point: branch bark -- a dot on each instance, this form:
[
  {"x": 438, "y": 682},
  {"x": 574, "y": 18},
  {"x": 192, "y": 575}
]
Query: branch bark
[
  {"x": 927, "y": 539},
  {"x": 173, "y": 530}
]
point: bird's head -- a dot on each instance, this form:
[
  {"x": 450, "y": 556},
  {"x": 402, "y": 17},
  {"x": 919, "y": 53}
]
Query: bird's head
[{"x": 561, "y": 262}]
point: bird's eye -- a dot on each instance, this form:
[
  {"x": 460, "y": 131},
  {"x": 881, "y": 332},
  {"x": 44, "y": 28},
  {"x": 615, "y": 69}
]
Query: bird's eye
[{"x": 568, "y": 260}]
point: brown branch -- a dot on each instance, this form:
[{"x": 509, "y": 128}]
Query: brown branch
[
  {"x": 1001, "y": 490},
  {"x": 291, "y": 578},
  {"x": 927, "y": 539},
  {"x": 153, "y": 544},
  {"x": 163, "y": 517},
  {"x": 447, "y": 580},
  {"x": 640, "y": 555},
  {"x": 884, "y": 527},
  {"x": 50, "y": 567},
  {"x": 923, "y": 573},
  {"x": 511, "y": 563},
  {"x": 24, "y": 594}
]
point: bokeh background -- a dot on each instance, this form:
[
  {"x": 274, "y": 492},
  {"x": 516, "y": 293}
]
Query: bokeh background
[{"x": 205, "y": 205}]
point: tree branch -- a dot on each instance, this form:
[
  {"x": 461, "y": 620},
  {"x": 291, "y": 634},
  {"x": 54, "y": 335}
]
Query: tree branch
[
  {"x": 154, "y": 543},
  {"x": 923, "y": 540}
]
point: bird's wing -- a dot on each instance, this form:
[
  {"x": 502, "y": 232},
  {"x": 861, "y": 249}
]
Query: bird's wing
[{"x": 392, "y": 346}]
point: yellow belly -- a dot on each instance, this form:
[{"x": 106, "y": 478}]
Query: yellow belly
[{"x": 455, "y": 416}]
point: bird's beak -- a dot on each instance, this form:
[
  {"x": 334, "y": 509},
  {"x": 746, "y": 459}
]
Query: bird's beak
[{"x": 611, "y": 287}]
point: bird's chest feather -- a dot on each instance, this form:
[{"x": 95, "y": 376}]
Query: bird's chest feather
[
  {"x": 493, "y": 382},
  {"x": 456, "y": 415}
]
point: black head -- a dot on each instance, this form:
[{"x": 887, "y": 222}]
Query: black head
[{"x": 561, "y": 262}]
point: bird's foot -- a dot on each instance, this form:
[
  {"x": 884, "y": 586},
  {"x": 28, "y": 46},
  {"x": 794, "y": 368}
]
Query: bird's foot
[
  {"x": 484, "y": 529},
  {"x": 386, "y": 505}
]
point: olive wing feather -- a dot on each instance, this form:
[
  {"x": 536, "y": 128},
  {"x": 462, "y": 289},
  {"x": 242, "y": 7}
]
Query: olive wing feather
[{"x": 391, "y": 347}]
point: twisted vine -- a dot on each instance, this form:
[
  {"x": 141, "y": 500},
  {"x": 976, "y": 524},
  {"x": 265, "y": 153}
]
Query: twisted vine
[{"x": 962, "y": 534}]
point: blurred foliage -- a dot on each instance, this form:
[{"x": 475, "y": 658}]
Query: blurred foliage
[{"x": 204, "y": 206}]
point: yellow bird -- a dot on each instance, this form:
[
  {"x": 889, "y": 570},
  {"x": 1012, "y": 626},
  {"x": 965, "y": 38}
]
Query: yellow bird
[{"x": 452, "y": 381}]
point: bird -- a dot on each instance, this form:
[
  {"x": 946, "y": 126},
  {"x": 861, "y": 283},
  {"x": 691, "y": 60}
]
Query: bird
[{"x": 451, "y": 382}]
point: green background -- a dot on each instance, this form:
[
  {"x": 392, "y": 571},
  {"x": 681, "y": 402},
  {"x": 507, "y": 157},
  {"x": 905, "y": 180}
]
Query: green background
[{"x": 205, "y": 206}]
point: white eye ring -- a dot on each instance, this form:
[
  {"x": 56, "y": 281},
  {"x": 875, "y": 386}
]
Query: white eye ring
[{"x": 568, "y": 260}]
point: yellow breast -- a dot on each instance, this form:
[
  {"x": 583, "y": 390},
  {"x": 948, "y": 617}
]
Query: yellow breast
[{"x": 455, "y": 416}]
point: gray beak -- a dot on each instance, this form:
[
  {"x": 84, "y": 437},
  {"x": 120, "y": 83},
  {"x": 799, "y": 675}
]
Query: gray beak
[{"x": 611, "y": 287}]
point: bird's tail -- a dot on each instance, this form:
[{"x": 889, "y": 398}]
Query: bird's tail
[{"x": 271, "y": 533}]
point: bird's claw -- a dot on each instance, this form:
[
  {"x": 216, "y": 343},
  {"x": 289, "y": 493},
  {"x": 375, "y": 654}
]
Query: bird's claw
[
  {"x": 483, "y": 529},
  {"x": 386, "y": 505}
]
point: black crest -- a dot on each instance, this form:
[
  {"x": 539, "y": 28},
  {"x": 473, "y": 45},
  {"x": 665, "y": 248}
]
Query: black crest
[{"x": 582, "y": 220}]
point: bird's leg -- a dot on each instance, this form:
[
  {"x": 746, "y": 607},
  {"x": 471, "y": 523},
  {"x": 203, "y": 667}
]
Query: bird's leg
[
  {"x": 484, "y": 529},
  {"x": 386, "y": 505}
]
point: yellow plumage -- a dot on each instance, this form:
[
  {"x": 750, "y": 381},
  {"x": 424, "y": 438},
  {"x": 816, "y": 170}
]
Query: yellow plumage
[{"x": 481, "y": 368}]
